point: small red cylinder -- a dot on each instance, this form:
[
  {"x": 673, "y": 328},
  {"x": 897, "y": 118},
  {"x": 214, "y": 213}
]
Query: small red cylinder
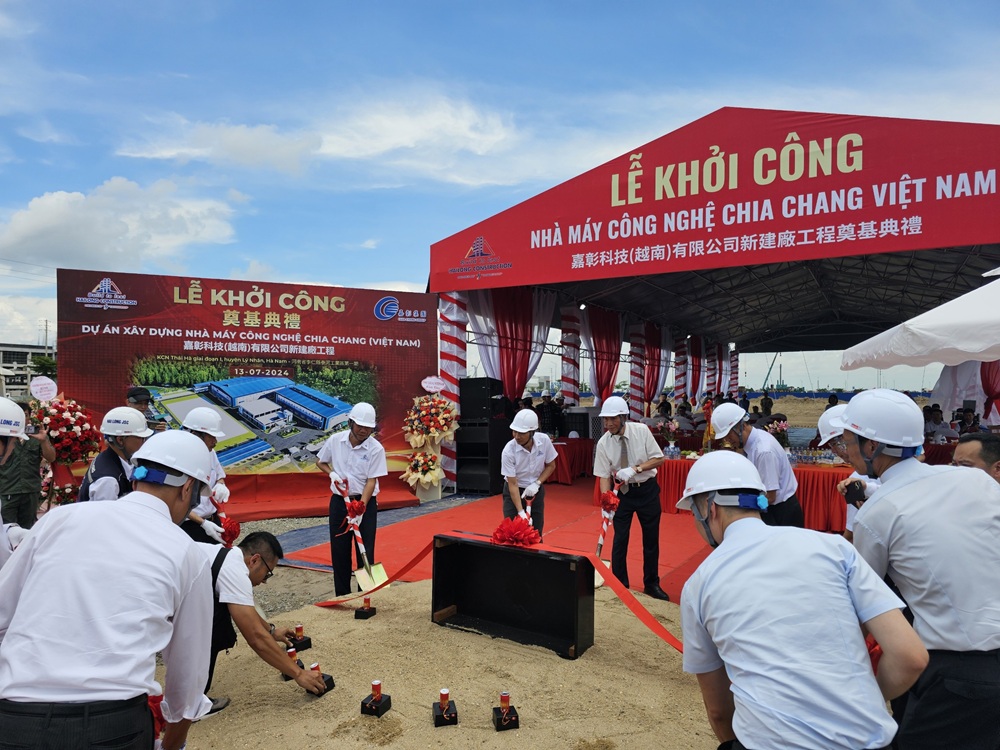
[
  {"x": 445, "y": 698},
  {"x": 314, "y": 666},
  {"x": 292, "y": 653},
  {"x": 368, "y": 602},
  {"x": 377, "y": 690},
  {"x": 299, "y": 631},
  {"x": 505, "y": 701}
]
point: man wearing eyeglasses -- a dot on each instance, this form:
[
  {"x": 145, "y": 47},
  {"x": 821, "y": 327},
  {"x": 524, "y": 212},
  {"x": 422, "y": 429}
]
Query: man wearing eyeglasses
[{"x": 234, "y": 577}]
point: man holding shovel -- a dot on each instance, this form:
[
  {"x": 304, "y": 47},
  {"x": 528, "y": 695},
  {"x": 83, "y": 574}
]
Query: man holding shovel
[{"x": 356, "y": 458}]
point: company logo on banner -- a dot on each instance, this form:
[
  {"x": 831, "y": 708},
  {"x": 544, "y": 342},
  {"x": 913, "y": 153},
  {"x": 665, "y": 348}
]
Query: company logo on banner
[
  {"x": 479, "y": 261},
  {"x": 388, "y": 308},
  {"x": 107, "y": 296}
]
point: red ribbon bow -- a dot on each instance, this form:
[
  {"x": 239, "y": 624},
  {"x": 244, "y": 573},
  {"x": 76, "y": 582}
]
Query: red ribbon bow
[
  {"x": 516, "y": 532},
  {"x": 355, "y": 508},
  {"x": 609, "y": 501}
]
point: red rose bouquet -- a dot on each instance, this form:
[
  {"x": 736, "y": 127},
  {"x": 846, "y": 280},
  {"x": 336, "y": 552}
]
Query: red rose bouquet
[
  {"x": 70, "y": 428},
  {"x": 431, "y": 418},
  {"x": 424, "y": 467}
]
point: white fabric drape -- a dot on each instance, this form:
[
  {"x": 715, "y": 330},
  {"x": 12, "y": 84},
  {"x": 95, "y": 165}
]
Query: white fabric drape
[
  {"x": 481, "y": 321},
  {"x": 543, "y": 307}
]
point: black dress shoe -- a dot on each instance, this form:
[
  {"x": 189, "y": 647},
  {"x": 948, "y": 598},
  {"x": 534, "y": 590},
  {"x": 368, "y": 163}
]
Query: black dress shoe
[{"x": 657, "y": 593}]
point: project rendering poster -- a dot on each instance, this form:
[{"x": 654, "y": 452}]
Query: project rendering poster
[{"x": 282, "y": 364}]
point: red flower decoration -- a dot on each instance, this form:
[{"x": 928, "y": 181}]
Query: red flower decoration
[
  {"x": 355, "y": 508},
  {"x": 159, "y": 723},
  {"x": 609, "y": 501},
  {"x": 230, "y": 530},
  {"x": 516, "y": 532}
]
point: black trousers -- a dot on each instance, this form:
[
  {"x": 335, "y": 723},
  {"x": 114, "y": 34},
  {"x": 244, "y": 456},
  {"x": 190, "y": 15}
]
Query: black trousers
[
  {"x": 342, "y": 541},
  {"x": 955, "y": 703},
  {"x": 104, "y": 725},
  {"x": 643, "y": 501},
  {"x": 737, "y": 745},
  {"x": 788, "y": 513},
  {"x": 537, "y": 507}
]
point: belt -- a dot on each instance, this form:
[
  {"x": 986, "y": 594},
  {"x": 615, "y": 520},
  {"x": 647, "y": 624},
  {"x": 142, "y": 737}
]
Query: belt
[
  {"x": 636, "y": 484},
  {"x": 94, "y": 708}
]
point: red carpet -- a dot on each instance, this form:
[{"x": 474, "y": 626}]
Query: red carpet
[
  {"x": 260, "y": 496},
  {"x": 571, "y": 522}
]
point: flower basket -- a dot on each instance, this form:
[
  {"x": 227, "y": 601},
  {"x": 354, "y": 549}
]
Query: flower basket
[
  {"x": 423, "y": 471},
  {"x": 780, "y": 432},
  {"x": 70, "y": 428},
  {"x": 429, "y": 421}
]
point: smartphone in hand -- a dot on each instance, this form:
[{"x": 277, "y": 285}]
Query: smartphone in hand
[{"x": 855, "y": 492}]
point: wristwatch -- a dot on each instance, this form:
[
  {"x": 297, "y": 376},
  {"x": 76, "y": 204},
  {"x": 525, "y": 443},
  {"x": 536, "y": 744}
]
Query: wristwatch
[{"x": 272, "y": 627}]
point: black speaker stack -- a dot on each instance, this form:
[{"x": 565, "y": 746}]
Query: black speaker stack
[{"x": 484, "y": 429}]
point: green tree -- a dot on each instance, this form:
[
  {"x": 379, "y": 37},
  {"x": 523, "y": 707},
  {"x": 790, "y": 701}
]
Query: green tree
[{"x": 42, "y": 365}]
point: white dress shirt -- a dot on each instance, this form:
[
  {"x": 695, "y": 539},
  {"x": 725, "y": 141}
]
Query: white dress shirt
[
  {"x": 936, "y": 531},
  {"x": 640, "y": 445},
  {"x": 106, "y": 488},
  {"x": 526, "y": 465},
  {"x": 205, "y": 507},
  {"x": 766, "y": 453},
  {"x": 90, "y": 597},
  {"x": 779, "y": 607},
  {"x": 233, "y": 584},
  {"x": 355, "y": 464}
]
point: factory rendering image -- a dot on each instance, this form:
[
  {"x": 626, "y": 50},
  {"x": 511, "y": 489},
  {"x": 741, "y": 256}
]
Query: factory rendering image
[{"x": 271, "y": 403}]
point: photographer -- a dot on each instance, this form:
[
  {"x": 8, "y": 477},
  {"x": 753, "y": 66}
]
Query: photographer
[{"x": 22, "y": 448}]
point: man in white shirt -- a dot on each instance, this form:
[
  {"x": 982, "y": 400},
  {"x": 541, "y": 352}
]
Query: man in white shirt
[
  {"x": 772, "y": 625},
  {"x": 830, "y": 437},
  {"x": 733, "y": 430},
  {"x": 979, "y": 450},
  {"x": 89, "y": 598},
  {"x": 526, "y": 462},
  {"x": 936, "y": 531},
  {"x": 108, "y": 477},
  {"x": 627, "y": 453},
  {"x": 251, "y": 564},
  {"x": 205, "y": 423},
  {"x": 353, "y": 456}
]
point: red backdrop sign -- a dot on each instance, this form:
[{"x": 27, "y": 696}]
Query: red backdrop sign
[
  {"x": 743, "y": 187},
  {"x": 282, "y": 364}
]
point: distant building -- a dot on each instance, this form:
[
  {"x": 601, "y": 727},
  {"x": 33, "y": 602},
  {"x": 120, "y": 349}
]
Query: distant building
[
  {"x": 14, "y": 361},
  {"x": 269, "y": 403}
]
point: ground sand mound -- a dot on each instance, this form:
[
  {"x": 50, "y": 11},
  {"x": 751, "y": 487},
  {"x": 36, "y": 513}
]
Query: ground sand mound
[{"x": 626, "y": 691}]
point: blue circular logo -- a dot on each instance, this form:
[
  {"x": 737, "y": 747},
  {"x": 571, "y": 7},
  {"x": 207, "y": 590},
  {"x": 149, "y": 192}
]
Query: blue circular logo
[{"x": 386, "y": 308}]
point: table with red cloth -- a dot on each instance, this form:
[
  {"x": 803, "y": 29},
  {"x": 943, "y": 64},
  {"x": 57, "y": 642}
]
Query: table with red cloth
[
  {"x": 823, "y": 507},
  {"x": 574, "y": 458},
  {"x": 939, "y": 454}
]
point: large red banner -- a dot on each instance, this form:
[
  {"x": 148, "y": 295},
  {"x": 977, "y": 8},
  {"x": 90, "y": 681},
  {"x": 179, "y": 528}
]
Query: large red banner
[
  {"x": 743, "y": 187},
  {"x": 282, "y": 364}
]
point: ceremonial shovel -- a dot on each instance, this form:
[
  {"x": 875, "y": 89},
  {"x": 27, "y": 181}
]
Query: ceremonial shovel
[
  {"x": 607, "y": 514},
  {"x": 369, "y": 576}
]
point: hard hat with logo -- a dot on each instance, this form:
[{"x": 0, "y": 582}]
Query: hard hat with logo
[
  {"x": 363, "y": 415},
  {"x": 204, "y": 419},
  {"x": 525, "y": 421},
  {"x": 123, "y": 421},
  {"x": 614, "y": 406},
  {"x": 884, "y": 416},
  {"x": 725, "y": 417},
  {"x": 546, "y": 393},
  {"x": 11, "y": 419},
  {"x": 827, "y": 430},
  {"x": 726, "y": 473},
  {"x": 178, "y": 450}
]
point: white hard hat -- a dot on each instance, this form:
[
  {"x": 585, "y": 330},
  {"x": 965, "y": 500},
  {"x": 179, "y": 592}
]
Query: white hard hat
[
  {"x": 11, "y": 419},
  {"x": 721, "y": 471},
  {"x": 204, "y": 419},
  {"x": 363, "y": 414},
  {"x": 885, "y": 416},
  {"x": 546, "y": 393},
  {"x": 123, "y": 421},
  {"x": 524, "y": 421},
  {"x": 177, "y": 450},
  {"x": 615, "y": 406},
  {"x": 725, "y": 417},
  {"x": 827, "y": 430}
]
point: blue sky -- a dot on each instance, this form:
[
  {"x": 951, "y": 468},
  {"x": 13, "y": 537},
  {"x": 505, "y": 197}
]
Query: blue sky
[{"x": 334, "y": 142}]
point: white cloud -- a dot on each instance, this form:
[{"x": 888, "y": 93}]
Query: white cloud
[
  {"x": 21, "y": 319},
  {"x": 222, "y": 143},
  {"x": 255, "y": 271},
  {"x": 42, "y": 131},
  {"x": 393, "y": 286},
  {"x": 119, "y": 224},
  {"x": 369, "y": 244}
]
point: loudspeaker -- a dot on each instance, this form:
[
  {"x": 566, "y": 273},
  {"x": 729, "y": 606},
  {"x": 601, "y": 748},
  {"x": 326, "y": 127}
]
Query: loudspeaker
[
  {"x": 478, "y": 447},
  {"x": 480, "y": 586},
  {"x": 480, "y": 398}
]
